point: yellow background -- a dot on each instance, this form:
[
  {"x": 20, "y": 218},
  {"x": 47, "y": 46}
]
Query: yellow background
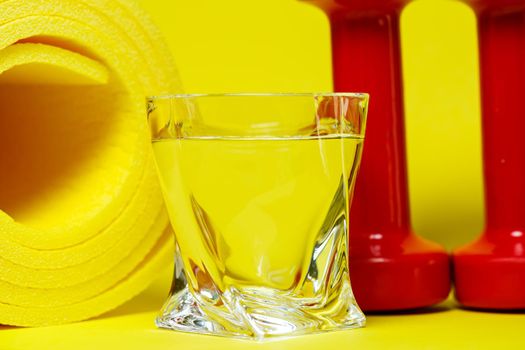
[{"x": 283, "y": 45}]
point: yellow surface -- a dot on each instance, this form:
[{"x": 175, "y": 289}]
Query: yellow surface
[
  {"x": 131, "y": 327},
  {"x": 283, "y": 45}
]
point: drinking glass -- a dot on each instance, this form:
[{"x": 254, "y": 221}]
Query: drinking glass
[{"x": 258, "y": 188}]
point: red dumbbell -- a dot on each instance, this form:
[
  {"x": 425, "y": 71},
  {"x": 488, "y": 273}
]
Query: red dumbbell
[
  {"x": 490, "y": 272},
  {"x": 391, "y": 268}
]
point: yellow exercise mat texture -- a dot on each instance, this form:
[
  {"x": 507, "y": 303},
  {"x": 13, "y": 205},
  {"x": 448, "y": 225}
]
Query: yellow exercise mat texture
[{"x": 82, "y": 222}]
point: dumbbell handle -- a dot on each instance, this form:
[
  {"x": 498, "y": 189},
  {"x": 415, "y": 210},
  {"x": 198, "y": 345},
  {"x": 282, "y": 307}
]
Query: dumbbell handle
[{"x": 366, "y": 57}]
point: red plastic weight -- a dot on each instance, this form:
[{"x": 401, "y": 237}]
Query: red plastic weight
[
  {"x": 490, "y": 272},
  {"x": 391, "y": 268}
]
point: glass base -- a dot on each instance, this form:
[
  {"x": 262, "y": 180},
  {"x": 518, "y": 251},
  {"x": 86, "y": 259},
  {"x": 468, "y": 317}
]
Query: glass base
[
  {"x": 258, "y": 318},
  {"x": 257, "y": 312}
]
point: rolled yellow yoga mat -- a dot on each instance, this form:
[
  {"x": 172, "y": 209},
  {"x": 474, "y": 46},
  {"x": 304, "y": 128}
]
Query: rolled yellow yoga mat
[{"x": 82, "y": 222}]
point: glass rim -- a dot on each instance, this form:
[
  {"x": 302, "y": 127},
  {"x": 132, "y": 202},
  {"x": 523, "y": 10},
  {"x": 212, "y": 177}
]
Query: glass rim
[{"x": 362, "y": 95}]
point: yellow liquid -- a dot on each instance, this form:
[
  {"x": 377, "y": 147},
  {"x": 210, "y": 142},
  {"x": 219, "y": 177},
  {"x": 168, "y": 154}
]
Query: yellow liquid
[{"x": 250, "y": 212}]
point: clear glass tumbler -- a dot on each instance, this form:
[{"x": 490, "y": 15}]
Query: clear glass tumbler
[{"x": 258, "y": 188}]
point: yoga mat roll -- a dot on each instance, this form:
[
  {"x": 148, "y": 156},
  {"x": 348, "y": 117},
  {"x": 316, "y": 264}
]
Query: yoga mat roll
[{"x": 82, "y": 222}]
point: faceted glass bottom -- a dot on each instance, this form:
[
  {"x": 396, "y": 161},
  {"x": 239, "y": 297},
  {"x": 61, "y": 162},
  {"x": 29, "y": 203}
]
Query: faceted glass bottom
[{"x": 259, "y": 312}]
